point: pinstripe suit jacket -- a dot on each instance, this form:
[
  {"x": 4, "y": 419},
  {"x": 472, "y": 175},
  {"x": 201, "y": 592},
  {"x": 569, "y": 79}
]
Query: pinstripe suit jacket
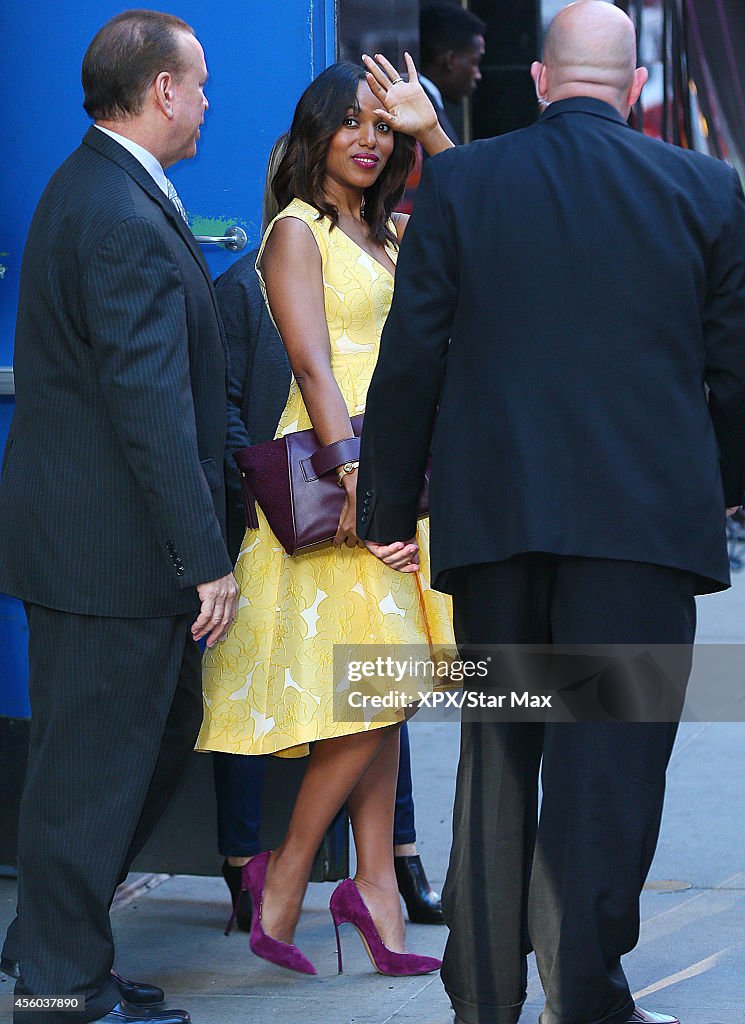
[{"x": 112, "y": 494}]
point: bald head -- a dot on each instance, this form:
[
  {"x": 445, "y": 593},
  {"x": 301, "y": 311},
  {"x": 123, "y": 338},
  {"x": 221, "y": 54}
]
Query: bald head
[{"x": 590, "y": 50}]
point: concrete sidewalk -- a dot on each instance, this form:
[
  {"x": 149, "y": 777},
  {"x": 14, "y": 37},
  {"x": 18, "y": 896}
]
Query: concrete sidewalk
[{"x": 690, "y": 960}]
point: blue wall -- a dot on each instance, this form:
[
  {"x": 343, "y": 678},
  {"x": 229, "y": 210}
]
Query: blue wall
[{"x": 260, "y": 54}]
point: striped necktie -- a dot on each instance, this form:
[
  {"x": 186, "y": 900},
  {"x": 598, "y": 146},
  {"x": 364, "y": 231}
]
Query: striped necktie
[{"x": 173, "y": 196}]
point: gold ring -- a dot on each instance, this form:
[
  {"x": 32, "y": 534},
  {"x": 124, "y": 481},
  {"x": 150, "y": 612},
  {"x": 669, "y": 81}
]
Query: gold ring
[{"x": 397, "y": 80}]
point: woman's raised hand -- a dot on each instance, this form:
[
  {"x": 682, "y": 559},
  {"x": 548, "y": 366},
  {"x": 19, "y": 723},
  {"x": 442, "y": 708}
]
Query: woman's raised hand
[{"x": 405, "y": 106}]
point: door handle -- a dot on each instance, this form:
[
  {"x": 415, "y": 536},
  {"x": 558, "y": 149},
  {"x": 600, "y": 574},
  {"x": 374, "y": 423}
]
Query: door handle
[{"x": 235, "y": 239}]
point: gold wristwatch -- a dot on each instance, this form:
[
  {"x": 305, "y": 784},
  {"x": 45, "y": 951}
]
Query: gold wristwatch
[{"x": 345, "y": 470}]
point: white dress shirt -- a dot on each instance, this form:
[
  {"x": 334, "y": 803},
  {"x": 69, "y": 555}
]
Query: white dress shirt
[{"x": 143, "y": 156}]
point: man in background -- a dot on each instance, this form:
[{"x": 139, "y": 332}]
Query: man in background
[
  {"x": 112, "y": 510},
  {"x": 452, "y": 46},
  {"x": 451, "y": 42}
]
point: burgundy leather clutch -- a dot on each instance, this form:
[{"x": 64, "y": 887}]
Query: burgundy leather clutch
[{"x": 293, "y": 480}]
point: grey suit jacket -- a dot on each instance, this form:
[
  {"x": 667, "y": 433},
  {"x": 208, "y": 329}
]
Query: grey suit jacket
[{"x": 111, "y": 494}]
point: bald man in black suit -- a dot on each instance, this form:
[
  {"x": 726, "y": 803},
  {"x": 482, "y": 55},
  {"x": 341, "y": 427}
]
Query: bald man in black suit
[{"x": 567, "y": 339}]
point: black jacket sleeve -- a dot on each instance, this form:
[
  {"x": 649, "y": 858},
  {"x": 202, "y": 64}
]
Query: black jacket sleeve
[
  {"x": 404, "y": 392},
  {"x": 724, "y": 336},
  {"x": 241, "y": 330}
]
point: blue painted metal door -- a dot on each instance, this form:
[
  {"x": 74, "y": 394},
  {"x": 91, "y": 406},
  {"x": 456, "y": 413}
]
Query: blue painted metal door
[{"x": 260, "y": 54}]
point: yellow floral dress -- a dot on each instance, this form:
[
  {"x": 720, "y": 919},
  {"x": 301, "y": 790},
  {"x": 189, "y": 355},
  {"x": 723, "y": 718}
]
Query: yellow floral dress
[{"x": 270, "y": 686}]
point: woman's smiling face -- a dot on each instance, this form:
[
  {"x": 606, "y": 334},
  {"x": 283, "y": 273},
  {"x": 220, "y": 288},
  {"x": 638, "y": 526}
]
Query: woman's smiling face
[{"x": 361, "y": 147}]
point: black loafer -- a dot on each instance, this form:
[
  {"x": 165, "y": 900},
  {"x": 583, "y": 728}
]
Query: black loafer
[
  {"x": 423, "y": 904},
  {"x": 136, "y": 992},
  {"x": 459, "y": 1020},
  {"x": 124, "y": 1014},
  {"x": 10, "y": 967},
  {"x": 640, "y": 1016}
]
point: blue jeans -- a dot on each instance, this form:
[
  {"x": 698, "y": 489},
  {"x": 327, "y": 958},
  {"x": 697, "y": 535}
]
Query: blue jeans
[{"x": 239, "y": 784}]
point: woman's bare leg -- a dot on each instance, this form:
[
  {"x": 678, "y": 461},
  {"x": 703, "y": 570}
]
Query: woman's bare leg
[
  {"x": 334, "y": 770},
  {"x": 371, "y": 807}
]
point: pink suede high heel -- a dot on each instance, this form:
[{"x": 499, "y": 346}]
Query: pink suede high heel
[
  {"x": 283, "y": 954},
  {"x": 348, "y": 907}
]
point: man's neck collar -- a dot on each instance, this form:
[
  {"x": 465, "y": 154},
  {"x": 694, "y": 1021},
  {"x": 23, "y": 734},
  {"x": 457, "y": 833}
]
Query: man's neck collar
[
  {"x": 435, "y": 93},
  {"x": 582, "y": 105},
  {"x": 148, "y": 160}
]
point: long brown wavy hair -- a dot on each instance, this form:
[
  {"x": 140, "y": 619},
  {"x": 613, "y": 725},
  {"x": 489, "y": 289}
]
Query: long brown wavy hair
[{"x": 302, "y": 172}]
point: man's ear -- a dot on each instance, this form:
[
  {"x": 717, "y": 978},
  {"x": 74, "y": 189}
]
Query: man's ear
[
  {"x": 640, "y": 80},
  {"x": 163, "y": 93},
  {"x": 448, "y": 60},
  {"x": 540, "y": 79}
]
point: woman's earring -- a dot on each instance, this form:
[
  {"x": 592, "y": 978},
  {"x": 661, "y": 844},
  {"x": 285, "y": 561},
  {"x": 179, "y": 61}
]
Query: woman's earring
[{"x": 362, "y": 207}]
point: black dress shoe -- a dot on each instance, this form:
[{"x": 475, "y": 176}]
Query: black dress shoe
[
  {"x": 458, "y": 1020},
  {"x": 135, "y": 992},
  {"x": 244, "y": 909},
  {"x": 640, "y": 1016},
  {"x": 422, "y": 902},
  {"x": 138, "y": 992},
  {"x": 10, "y": 967},
  {"x": 124, "y": 1014}
]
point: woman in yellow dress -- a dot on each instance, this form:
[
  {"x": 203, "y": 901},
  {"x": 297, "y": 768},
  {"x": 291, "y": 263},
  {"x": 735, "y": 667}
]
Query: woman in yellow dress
[{"x": 327, "y": 265}]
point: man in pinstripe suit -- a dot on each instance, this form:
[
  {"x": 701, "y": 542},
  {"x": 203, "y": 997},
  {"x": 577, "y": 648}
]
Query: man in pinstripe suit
[{"x": 111, "y": 509}]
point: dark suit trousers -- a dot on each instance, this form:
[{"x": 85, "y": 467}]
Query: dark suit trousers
[
  {"x": 116, "y": 708},
  {"x": 566, "y": 885}
]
